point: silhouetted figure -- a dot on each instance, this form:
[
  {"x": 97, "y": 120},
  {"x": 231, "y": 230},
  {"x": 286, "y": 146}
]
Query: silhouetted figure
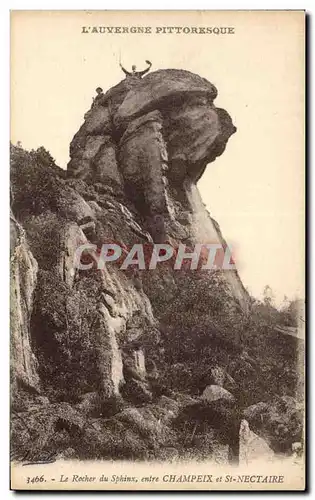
[
  {"x": 100, "y": 94},
  {"x": 134, "y": 73}
]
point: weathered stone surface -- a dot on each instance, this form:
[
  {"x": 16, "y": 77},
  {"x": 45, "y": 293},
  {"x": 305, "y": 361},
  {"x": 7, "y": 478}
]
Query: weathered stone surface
[
  {"x": 217, "y": 376},
  {"x": 23, "y": 282},
  {"x": 197, "y": 134},
  {"x": 175, "y": 103},
  {"x": 105, "y": 166},
  {"x": 72, "y": 206},
  {"x": 161, "y": 88},
  {"x": 98, "y": 121},
  {"x": 79, "y": 168},
  {"x": 252, "y": 447},
  {"x": 214, "y": 392},
  {"x": 254, "y": 412},
  {"x": 72, "y": 237},
  {"x": 141, "y": 163},
  {"x": 92, "y": 146}
]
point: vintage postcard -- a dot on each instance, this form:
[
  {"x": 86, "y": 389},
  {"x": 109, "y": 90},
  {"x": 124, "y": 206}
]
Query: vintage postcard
[{"x": 157, "y": 250}]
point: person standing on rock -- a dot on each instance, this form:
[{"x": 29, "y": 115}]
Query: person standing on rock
[
  {"x": 134, "y": 73},
  {"x": 99, "y": 96}
]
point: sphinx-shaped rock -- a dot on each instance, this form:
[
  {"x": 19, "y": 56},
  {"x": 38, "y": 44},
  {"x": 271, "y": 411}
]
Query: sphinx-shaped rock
[
  {"x": 161, "y": 89},
  {"x": 151, "y": 141}
]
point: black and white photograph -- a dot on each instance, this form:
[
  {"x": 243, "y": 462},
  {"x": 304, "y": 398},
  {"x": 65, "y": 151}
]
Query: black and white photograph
[{"x": 157, "y": 263}]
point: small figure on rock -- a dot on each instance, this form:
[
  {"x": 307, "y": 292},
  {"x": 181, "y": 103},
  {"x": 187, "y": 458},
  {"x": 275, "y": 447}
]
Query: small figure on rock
[
  {"x": 134, "y": 73},
  {"x": 97, "y": 99}
]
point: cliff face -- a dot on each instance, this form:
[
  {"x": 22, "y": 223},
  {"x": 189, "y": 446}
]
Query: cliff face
[
  {"x": 151, "y": 143},
  {"x": 134, "y": 344}
]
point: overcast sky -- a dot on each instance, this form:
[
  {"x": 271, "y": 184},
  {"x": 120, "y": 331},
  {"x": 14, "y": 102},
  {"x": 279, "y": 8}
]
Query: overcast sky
[{"x": 255, "y": 190}]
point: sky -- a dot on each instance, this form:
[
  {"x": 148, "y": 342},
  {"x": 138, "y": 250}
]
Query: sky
[{"x": 255, "y": 190}]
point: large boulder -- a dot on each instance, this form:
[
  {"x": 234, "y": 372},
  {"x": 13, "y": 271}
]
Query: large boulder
[
  {"x": 279, "y": 422},
  {"x": 195, "y": 131},
  {"x": 216, "y": 375},
  {"x": 215, "y": 392},
  {"x": 24, "y": 270},
  {"x": 252, "y": 446},
  {"x": 162, "y": 87}
]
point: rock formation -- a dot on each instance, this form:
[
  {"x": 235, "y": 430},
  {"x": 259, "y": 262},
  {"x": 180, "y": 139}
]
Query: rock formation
[
  {"x": 23, "y": 282},
  {"x": 119, "y": 345}
]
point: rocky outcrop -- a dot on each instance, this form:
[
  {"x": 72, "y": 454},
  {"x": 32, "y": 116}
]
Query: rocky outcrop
[
  {"x": 279, "y": 422},
  {"x": 253, "y": 447},
  {"x": 23, "y": 282},
  {"x": 214, "y": 392},
  {"x": 164, "y": 131},
  {"x": 167, "y": 122}
]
